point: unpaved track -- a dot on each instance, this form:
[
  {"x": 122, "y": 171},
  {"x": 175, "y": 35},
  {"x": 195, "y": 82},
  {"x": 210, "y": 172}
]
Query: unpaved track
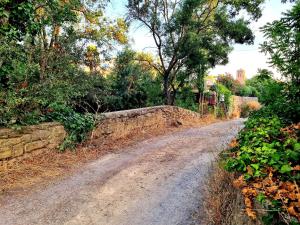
[{"x": 157, "y": 181}]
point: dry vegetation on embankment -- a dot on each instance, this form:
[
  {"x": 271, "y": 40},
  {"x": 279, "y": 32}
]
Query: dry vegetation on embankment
[{"x": 224, "y": 204}]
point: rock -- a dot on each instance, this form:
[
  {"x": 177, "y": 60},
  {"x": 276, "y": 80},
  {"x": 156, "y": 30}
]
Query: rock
[
  {"x": 18, "y": 150},
  {"x": 35, "y": 145},
  {"x": 5, "y": 152}
]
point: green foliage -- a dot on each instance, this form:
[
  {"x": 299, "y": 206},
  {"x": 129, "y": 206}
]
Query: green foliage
[
  {"x": 42, "y": 51},
  {"x": 134, "y": 85},
  {"x": 17, "y": 18},
  {"x": 262, "y": 144},
  {"x": 265, "y": 86},
  {"x": 265, "y": 152},
  {"x": 246, "y": 91},
  {"x": 235, "y": 87},
  {"x": 210, "y": 29},
  {"x": 229, "y": 82},
  {"x": 221, "y": 89},
  {"x": 187, "y": 99},
  {"x": 283, "y": 43},
  {"x": 77, "y": 125}
]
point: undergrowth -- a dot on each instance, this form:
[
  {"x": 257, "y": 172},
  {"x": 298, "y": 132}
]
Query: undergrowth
[
  {"x": 77, "y": 125},
  {"x": 266, "y": 155}
]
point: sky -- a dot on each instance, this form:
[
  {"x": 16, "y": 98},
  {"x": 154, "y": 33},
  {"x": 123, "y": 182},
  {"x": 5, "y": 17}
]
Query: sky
[{"x": 247, "y": 57}]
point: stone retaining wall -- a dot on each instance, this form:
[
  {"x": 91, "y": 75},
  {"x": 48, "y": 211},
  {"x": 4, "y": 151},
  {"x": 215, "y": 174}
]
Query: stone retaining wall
[
  {"x": 30, "y": 140},
  {"x": 124, "y": 123},
  {"x": 48, "y": 136}
]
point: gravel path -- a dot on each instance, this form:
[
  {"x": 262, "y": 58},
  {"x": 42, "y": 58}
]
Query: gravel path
[{"x": 157, "y": 181}]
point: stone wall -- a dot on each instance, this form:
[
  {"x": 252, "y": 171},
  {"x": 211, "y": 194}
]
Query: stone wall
[
  {"x": 30, "y": 140},
  {"x": 238, "y": 101},
  {"x": 15, "y": 145},
  {"x": 124, "y": 123}
]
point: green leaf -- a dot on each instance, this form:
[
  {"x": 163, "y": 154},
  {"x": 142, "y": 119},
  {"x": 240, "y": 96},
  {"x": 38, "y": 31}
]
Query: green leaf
[
  {"x": 255, "y": 166},
  {"x": 297, "y": 146},
  {"x": 261, "y": 198},
  {"x": 285, "y": 168}
]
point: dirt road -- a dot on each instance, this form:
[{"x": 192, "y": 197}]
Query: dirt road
[{"x": 157, "y": 181}]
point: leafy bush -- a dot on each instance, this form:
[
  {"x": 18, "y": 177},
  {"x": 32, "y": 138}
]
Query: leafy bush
[
  {"x": 77, "y": 125},
  {"x": 187, "y": 99},
  {"x": 133, "y": 84},
  {"x": 268, "y": 158}
]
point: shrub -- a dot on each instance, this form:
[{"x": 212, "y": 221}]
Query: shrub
[
  {"x": 77, "y": 125},
  {"x": 267, "y": 158},
  {"x": 187, "y": 99}
]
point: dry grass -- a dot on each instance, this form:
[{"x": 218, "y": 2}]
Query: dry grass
[
  {"x": 248, "y": 107},
  {"x": 49, "y": 166},
  {"x": 254, "y": 105},
  {"x": 223, "y": 204}
]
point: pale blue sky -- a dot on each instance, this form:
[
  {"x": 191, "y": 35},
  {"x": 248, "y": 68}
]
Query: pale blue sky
[{"x": 247, "y": 57}]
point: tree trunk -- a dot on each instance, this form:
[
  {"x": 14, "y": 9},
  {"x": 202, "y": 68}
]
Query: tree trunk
[
  {"x": 173, "y": 97},
  {"x": 167, "y": 94}
]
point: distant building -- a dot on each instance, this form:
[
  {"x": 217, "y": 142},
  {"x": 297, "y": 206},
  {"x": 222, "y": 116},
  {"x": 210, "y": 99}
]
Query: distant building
[{"x": 241, "y": 76}]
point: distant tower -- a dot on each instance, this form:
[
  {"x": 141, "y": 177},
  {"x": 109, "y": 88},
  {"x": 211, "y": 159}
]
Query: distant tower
[{"x": 241, "y": 76}]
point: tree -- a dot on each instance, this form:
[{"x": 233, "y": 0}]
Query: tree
[
  {"x": 17, "y": 18},
  {"x": 283, "y": 47},
  {"x": 193, "y": 35},
  {"x": 283, "y": 44},
  {"x": 43, "y": 49},
  {"x": 132, "y": 80},
  {"x": 229, "y": 82}
]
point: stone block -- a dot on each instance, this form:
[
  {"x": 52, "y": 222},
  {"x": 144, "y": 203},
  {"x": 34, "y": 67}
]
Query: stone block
[
  {"x": 58, "y": 131},
  {"x": 26, "y": 138},
  {"x": 10, "y": 142},
  {"x": 18, "y": 150},
  {"x": 29, "y": 147},
  {"x": 40, "y": 135},
  {"x": 5, "y": 152}
]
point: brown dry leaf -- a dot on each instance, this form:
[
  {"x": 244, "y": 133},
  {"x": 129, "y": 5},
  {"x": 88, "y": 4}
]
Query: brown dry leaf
[
  {"x": 233, "y": 143},
  {"x": 296, "y": 168},
  {"x": 248, "y": 202},
  {"x": 270, "y": 175},
  {"x": 257, "y": 185},
  {"x": 290, "y": 186},
  {"x": 295, "y": 204},
  {"x": 249, "y": 170},
  {"x": 298, "y": 197},
  {"x": 272, "y": 189},
  {"x": 267, "y": 182},
  {"x": 291, "y": 210},
  {"x": 251, "y": 213},
  {"x": 281, "y": 194},
  {"x": 240, "y": 182},
  {"x": 251, "y": 192},
  {"x": 292, "y": 196}
]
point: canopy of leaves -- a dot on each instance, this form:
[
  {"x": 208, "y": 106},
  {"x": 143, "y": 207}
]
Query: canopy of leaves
[
  {"x": 192, "y": 35},
  {"x": 283, "y": 43}
]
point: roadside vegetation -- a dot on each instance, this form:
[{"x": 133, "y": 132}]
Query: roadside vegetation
[{"x": 264, "y": 159}]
